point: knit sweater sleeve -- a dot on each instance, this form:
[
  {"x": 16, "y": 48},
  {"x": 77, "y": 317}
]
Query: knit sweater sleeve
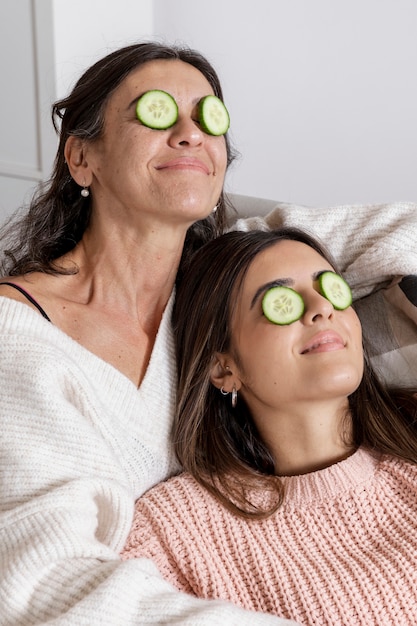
[
  {"x": 372, "y": 244},
  {"x": 74, "y": 455},
  {"x": 163, "y": 530}
]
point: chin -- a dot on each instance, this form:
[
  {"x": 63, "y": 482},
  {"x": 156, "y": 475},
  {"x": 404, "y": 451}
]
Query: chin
[
  {"x": 195, "y": 214},
  {"x": 345, "y": 386},
  {"x": 196, "y": 203}
]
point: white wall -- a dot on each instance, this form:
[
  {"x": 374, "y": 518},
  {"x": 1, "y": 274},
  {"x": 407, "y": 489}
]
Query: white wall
[
  {"x": 85, "y": 30},
  {"x": 44, "y": 46},
  {"x": 322, "y": 93},
  {"x": 22, "y": 120}
]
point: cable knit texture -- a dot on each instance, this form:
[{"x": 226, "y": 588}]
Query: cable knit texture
[
  {"x": 78, "y": 444},
  {"x": 341, "y": 551}
]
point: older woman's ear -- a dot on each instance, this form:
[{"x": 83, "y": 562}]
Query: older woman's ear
[{"x": 75, "y": 158}]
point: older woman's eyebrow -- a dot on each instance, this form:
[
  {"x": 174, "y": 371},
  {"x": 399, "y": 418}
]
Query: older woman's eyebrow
[
  {"x": 279, "y": 282},
  {"x": 135, "y": 101}
]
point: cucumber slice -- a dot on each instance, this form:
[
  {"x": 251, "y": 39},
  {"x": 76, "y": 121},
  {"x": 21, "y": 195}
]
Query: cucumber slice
[
  {"x": 157, "y": 109},
  {"x": 282, "y": 305},
  {"x": 213, "y": 115},
  {"x": 336, "y": 290}
]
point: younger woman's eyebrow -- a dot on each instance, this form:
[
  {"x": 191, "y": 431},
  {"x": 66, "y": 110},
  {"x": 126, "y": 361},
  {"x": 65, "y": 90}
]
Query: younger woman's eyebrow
[{"x": 280, "y": 282}]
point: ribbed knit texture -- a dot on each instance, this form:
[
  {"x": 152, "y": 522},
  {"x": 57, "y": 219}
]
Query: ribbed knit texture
[
  {"x": 341, "y": 551},
  {"x": 78, "y": 444}
]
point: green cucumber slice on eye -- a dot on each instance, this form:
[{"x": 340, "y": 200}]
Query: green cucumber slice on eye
[
  {"x": 336, "y": 290},
  {"x": 282, "y": 305},
  {"x": 213, "y": 115},
  {"x": 157, "y": 109}
]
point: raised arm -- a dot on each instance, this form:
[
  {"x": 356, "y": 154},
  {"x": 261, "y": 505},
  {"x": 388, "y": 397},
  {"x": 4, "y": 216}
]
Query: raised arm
[{"x": 372, "y": 243}]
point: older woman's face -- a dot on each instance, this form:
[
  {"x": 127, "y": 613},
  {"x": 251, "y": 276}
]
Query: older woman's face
[{"x": 175, "y": 175}]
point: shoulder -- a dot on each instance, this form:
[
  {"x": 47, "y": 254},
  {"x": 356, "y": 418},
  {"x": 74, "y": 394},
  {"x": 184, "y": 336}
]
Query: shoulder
[
  {"x": 399, "y": 469},
  {"x": 28, "y": 290},
  {"x": 396, "y": 482},
  {"x": 36, "y": 355},
  {"x": 30, "y": 282},
  {"x": 7, "y": 290},
  {"x": 181, "y": 489},
  {"x": 173, "y": 518},
  {"x": 176, "y": 501}
]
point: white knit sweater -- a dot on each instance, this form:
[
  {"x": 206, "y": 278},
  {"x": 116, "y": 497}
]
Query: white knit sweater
[{"x": 78, "y": 444}]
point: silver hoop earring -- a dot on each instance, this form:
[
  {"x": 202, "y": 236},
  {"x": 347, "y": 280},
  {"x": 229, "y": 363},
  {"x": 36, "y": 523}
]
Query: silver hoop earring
[
  {"x": 223, "y": 392},
  {"x": 234, "y": 396},
  {"x": 85, "y": 192}
]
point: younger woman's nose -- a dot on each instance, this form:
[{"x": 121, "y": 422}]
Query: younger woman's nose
[{"x": 317, "y": 307}]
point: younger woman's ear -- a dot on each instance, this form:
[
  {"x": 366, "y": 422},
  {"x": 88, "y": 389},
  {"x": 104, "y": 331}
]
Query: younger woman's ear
[
  {"x": 75, "y": 158},
  {"x": 222, "y": 373}
]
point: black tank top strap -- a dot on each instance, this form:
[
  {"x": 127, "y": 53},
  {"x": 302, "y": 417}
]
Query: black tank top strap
[{"x": 29, "y": 297}]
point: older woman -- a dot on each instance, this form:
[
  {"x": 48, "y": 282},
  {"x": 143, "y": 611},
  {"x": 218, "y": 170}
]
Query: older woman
[{"x": 87, "y": 364}]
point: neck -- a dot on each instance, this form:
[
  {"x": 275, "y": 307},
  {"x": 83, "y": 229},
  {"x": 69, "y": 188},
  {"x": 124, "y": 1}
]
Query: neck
[
  {"x": 307, "y": 439},
  {"x": 134, "y": 270}
]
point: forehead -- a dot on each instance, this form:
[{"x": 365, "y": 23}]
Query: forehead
[
  {"x": 178, "y": 78},
  {"x": 285, "y": 259}
]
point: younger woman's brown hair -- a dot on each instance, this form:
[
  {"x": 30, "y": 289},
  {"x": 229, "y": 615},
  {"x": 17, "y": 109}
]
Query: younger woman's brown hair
[{"x": 220, "y": 445}]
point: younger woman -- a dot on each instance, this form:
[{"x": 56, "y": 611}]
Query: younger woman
[{"x": 300, "y": 491}]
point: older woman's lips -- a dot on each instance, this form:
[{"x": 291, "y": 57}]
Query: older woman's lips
[
  {"x": 327, "y": 341},
  {"x": 184, "y": 163}
]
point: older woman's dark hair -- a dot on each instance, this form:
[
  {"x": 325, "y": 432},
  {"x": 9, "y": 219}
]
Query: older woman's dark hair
[
  {"x": 58, "y": 215},
  {"x": 220, "y": 445}
]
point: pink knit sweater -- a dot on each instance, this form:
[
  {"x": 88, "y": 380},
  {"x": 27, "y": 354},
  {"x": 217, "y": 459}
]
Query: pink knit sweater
[{"x": 342, "y": 550}]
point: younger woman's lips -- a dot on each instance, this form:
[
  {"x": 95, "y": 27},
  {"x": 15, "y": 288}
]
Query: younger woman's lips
[{"x": 327, "y": 341}]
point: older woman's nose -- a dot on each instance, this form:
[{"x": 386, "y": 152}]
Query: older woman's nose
[{"x": 186, "y": 132}]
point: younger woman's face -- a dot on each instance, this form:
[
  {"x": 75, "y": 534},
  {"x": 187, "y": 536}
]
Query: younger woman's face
[{"x": 316, "y": 358}]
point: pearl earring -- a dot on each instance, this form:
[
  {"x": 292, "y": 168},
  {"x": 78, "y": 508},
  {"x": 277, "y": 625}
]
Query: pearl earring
[{"x": 85, "y": 192}]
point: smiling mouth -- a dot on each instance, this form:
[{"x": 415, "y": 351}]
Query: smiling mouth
[
  {"x": 324, "y": 344},
  {"x": 185, "y": 164}
]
